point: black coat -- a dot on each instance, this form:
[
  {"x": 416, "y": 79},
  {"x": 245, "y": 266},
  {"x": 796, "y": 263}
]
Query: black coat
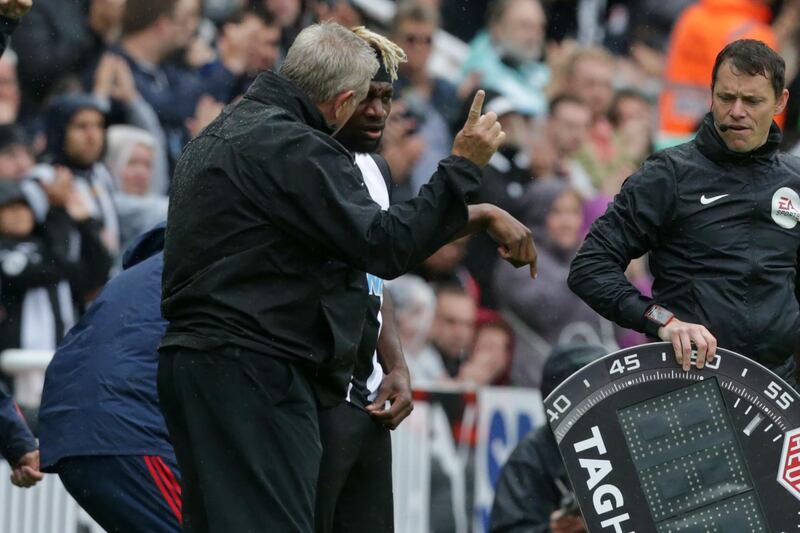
[
  {"x": 271, "y": 229},
  {"x": 527, "y": 492},
  {"x": 723, "y": 235}
]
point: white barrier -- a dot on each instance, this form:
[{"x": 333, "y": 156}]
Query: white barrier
[
  {"x": 446, "y": 456},
  {"x": 411, "y": 470},
  {"x": 27, "y": 367},
  {"x": 45, "y": 508}
]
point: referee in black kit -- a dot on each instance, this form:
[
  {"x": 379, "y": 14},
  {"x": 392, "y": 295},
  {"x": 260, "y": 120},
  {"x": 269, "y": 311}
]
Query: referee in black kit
[
  {"x": 270, "y": 231},
  {"x": 719, "y": 216}
]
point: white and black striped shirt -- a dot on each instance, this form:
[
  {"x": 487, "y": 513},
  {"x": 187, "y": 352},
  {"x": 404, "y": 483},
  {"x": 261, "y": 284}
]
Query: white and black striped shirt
[{"x": 368, "y": 373}]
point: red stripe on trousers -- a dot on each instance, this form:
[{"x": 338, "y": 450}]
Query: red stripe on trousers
[{"x": 162, "y": 487}]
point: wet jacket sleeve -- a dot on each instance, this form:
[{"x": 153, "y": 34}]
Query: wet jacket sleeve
[
  {"x": 633, "y": 225},
  {"x": 322, "y": 200},
  {"x": 15, "y": 438}
]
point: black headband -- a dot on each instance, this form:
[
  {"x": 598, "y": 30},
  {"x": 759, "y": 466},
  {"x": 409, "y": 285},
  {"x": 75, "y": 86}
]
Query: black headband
[{"x": 383, "y": 73}]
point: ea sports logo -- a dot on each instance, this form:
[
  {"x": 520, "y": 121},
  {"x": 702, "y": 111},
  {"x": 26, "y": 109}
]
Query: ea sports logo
[{"x": 785, "y": 207}]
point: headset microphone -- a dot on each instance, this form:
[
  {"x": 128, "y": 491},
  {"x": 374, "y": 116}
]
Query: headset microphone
[{"x": 722, "y": 127}]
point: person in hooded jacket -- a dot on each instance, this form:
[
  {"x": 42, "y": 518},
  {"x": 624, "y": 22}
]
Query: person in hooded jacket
[
  {"x": 533, "y": 487},
  {"x": 100, "y": 428},
  {"x": 546, "y": 313},
  {"x": 719, "y": 217},
  {"x": 75, "y": 130}
]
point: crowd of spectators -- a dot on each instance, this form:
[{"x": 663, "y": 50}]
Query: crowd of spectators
[{"x": 98, "y": 98}]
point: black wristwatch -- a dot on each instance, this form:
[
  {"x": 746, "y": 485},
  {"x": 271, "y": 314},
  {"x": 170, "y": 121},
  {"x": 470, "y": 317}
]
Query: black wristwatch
[{"x": 657, "y": 317}]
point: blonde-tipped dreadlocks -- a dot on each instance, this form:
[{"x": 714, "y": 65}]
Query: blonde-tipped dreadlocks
[{"x": 391, "y": 54}]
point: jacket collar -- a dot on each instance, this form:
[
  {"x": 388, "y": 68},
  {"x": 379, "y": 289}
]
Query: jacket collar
[
  {"x": 273, "y": 89},
  {"x": 713, "y": 147}
]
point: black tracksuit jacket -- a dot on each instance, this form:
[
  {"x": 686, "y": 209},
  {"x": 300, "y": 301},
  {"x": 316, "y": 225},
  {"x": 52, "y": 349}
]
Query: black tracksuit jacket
[
  {"x": 723, "y": 236},
  {"x": 271, "y": 229}
]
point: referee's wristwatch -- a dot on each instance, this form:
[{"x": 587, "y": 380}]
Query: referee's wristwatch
[{"x": 657, "y": 317}]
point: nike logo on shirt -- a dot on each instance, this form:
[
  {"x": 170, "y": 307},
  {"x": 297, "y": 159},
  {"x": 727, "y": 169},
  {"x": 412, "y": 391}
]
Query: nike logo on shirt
[{"x": 706, "y": 201}]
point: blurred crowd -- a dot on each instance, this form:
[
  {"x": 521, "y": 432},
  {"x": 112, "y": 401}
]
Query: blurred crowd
[{"x": 98, "y": 98}]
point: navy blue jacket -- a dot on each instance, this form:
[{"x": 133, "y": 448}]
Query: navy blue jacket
[
  {"x": 100, "y": 394},
  {"x": 15, "y": 438}
]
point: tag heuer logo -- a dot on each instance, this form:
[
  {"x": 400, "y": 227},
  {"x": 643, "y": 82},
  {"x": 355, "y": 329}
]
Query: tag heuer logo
[{"x": 789, "y": 469}]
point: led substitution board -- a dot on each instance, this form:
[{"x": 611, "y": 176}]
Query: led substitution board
[{"x": 651, "y": 448}]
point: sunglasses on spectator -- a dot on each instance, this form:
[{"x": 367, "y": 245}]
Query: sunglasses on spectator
[{"x": 418, "y": 39}]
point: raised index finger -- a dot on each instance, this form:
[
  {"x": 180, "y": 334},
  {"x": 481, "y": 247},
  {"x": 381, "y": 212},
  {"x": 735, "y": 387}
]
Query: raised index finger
[{"x": 476, "y": 108}]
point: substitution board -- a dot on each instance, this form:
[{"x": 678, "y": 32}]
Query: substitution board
[{"x": 651, "y": 448}]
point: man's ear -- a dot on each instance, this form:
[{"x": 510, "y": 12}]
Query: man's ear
[
  {"x": 341, "y": 102},
  {"x": 780, "y": 105}
]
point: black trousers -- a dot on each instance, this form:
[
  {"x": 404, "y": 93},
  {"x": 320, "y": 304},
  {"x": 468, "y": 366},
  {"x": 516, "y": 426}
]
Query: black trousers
[
  {"x": 354, "y": 493},
  {"x": 245, "y": 431}
]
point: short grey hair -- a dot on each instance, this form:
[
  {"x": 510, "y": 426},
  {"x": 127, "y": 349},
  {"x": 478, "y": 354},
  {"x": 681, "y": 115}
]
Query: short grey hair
[{"x": 327, "y": 59}]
